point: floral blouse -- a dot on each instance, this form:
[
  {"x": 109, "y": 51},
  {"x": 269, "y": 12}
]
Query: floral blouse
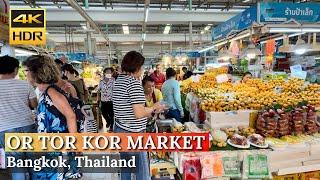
[
  {"x": 49, "y": 118},
  {"x": 106, "y": 89}
]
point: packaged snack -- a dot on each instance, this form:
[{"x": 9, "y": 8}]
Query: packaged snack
[
  {"x": 255, "y": 166},
  {"x": 212, "y": 165},
  {"x": 231, "y": 165},
  {"x": 191, "y": 167}
]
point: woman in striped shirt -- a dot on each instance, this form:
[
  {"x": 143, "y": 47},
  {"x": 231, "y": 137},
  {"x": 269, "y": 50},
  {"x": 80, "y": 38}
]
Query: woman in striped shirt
[{"x": 129, "y": 108}]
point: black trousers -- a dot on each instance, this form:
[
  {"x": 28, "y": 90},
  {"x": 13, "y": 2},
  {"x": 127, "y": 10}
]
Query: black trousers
[{"x": 107, "y": 112}]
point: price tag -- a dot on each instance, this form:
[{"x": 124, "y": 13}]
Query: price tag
[{"x": 299, "y": 74}]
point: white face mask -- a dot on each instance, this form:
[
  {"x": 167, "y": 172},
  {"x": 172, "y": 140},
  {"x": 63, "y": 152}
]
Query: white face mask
[{"x": 108, "y": 76}]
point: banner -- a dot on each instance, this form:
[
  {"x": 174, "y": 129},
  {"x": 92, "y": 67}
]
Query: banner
[
  {"x": 281, "y": 12},
  {"x": 238, "y": 22}
]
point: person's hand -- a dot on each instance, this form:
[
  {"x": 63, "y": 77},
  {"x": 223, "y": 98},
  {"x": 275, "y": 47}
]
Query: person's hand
[{"x": 158, "y": 107}]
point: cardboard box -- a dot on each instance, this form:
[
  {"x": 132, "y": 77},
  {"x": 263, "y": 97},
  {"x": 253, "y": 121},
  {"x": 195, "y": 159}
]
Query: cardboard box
[
  {"x": 275, "y": 166},
  {"x": 288, "y": 154},
  {"x": 219, "y": 120}
]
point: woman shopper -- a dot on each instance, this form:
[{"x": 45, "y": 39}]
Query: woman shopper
[
  {"x": 54, "y": 114},
  {"x": 129, "y": 109},
  {"x": 82, "y": 91},
  {"x": 105, "y": 96},
  {"x": 17, "y": 98},
  {"x": 172, "y": 95}
]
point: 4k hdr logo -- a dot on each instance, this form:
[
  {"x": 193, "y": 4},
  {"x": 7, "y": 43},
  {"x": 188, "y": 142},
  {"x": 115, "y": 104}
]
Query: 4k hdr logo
[{"x": 28, "y": 26}]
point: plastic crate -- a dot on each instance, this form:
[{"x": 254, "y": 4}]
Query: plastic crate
[
  {"x": 287, "y": 177},
  {"x": 310, "y": 175}
]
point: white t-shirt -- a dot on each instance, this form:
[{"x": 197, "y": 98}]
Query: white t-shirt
[{"x": 14, "y": 104}]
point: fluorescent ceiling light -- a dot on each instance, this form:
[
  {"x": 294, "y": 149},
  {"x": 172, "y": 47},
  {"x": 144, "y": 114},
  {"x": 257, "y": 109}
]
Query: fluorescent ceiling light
[
  {"x": 207, "y": 48},
  {"x": 125, "y": 28},
  {"x": 144, "y": 36},
  {"x": 301, "y": 47},
  {"x": 202, "y": 32},
  {"x": 167, "y": 29},
  {"x": 245, "y": 1},
  {"x": 233, "y": 39},
  {"x": 293, "y": 30},
  {"x": 207, "y": 28},
  {"x": 146, "y": 15},
  {"x": 282, "y": 37}
]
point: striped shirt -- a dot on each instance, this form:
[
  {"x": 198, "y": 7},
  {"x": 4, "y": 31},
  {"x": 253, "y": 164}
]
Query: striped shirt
[
  {"x": 14, "y": 104},
  {"x": 128, "y": 91}
]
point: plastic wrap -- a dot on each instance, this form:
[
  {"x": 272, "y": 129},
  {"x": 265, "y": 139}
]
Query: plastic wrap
[
  {"x": 191, "y": 167},
  {"x": 266, "y": 124},
  {"x": 297, "y": 121},
  {"x": 231, "y": 165},
  {"x": 310, "y": 122},
  {"x": 212, "y": 165},
  {"x": 255, "y": 166}
]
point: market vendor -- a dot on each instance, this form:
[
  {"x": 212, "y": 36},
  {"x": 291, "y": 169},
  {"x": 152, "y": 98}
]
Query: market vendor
[
  {"x": 246, "y": 76},
  {"x": 158, "y": 77},
  {"x": 152, "y": 94}
]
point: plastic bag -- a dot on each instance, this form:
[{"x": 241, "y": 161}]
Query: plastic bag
[
  {"x": 231, "y": 165},
  {"x": 191, "y": 167},
  {"x": 212, "y": 165},
  {"x": 255, "y": 166}
]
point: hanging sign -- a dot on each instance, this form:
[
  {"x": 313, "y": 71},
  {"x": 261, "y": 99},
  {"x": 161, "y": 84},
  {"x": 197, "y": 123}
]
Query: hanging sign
[
  {"x": 281, "y": 12},
  {"x": 238, "y": 22}
]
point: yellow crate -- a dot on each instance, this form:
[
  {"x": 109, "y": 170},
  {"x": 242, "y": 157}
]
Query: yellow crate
[
  {"x": 287, "y": 177},
  {"x": 315, "y": 175},
  {"x": 162, "y": 167}
]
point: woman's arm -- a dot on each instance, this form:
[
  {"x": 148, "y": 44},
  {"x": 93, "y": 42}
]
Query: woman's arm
[
  {"x": 62, "y": 104},
  {"x": 140, "y": 111}
]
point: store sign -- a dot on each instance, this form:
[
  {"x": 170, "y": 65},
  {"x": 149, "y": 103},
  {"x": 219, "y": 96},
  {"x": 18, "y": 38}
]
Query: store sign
[
  {"x": 281, "y": 12},
  {"x": 238, "y": 22},
  {"x": 191, "y": 54},
  {"x": 27, "y": 26}
]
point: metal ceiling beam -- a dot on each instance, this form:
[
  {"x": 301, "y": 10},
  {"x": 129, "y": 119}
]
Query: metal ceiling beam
[
  {"x": 203, "y": 3},
  {"x": 144, "y": 24},
  {"x": 135, "y": 16},
  {"x": 120, "y": 38},
  {"x": 83, "y": 13},
  {"x": 111, "y": 5},
  {"x": 104, "y": 2}
]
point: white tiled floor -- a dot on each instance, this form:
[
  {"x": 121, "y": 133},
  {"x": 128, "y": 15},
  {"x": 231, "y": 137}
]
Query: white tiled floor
[{"x": 101, "y": 176}]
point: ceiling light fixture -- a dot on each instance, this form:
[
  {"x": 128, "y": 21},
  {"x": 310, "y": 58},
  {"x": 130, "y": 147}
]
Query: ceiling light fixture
[
  {"x": 224, "y": 55},
  {"x": 167, "y": 29},
  {"x": 125, "y": 28},
  {"x": 301, "y": 47},
  {"x": 282, "y": 37},
  {"x": 245, "y": 1},
  {"x": 292, "y": 30},
  {"x": 84, "y": 26},
  {"x": 144, "y": 36},
  {"x": 146, "y": 14},
  {"x": 251, "y": 52}
]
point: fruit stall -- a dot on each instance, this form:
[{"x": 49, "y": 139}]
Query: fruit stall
[{"x": 262, "y": 128}]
